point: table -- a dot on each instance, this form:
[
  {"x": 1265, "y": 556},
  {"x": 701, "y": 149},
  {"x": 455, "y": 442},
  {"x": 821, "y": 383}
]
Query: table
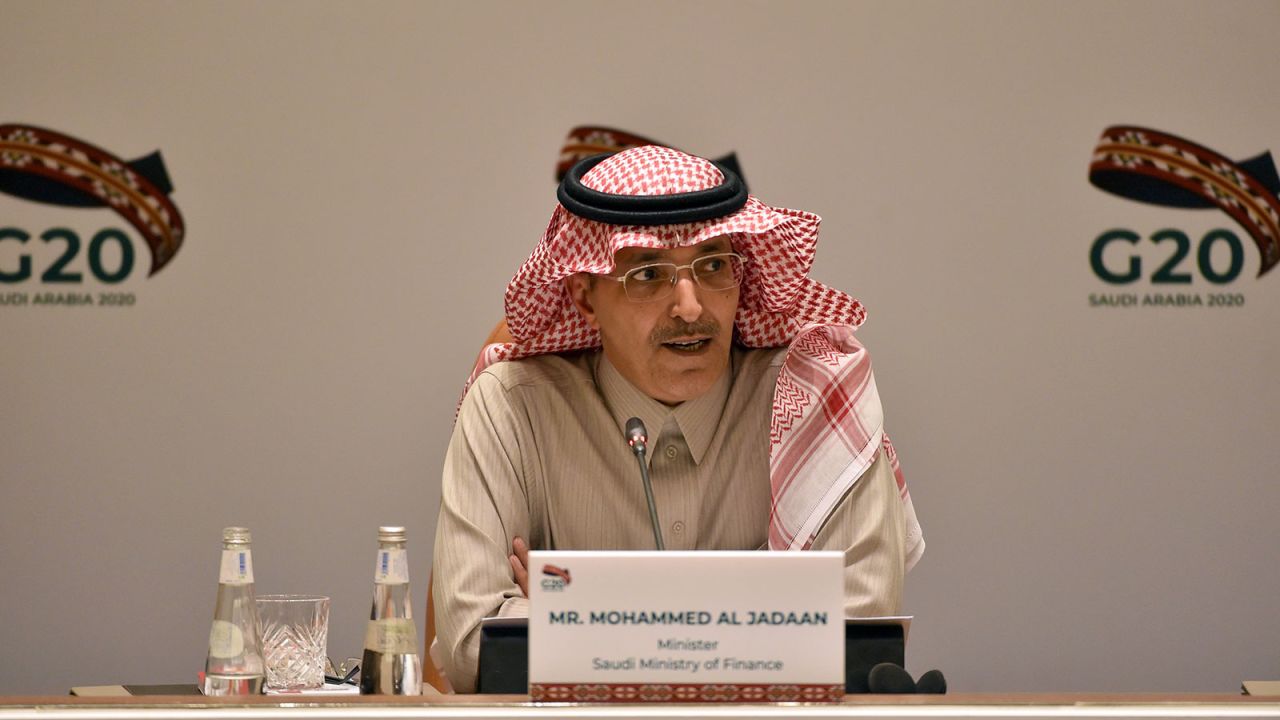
[{"x": 518, "y": 707}]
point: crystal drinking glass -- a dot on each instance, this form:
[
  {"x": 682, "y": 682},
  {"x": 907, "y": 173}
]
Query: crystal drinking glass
[{"x": 295, "y": 632}]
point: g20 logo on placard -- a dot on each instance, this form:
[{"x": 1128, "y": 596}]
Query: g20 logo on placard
[
  {"x": 1157, "y": 168},
  {"x": 555, "y": 578},
  {"x": 54, "y": 264}
]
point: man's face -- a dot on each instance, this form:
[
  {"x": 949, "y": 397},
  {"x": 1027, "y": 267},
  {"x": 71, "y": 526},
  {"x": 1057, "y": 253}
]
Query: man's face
[{"x": 674, "y": 348}]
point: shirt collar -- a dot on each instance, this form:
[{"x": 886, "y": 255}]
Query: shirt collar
[{"x": 696, "y": 418}]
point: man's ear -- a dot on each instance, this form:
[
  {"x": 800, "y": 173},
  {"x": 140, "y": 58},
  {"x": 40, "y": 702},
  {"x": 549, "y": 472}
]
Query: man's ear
[{"x": 580, "y": 286}]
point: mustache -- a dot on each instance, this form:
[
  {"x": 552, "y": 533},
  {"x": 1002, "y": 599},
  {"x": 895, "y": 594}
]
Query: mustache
[{"x": 681, "y": 329}]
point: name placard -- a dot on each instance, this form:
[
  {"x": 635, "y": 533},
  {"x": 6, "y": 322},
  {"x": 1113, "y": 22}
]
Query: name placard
[{"x": 686, "y": 626}]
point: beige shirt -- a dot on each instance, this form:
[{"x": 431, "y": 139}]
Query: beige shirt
[{"x": 538, "y": 452}]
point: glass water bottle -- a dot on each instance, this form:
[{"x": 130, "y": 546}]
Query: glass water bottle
[
  {"x": 234, "y": 665},
  {"x": 391, "y": 665}
]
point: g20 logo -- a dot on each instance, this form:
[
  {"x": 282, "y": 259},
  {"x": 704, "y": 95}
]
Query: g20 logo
[
  {"x": 1113, "y": 265},
  {"x": 555, "y": 578},
  {"x": 109, "y": 254},
  {"x": 1157, "y": 168},
  {"x": 51, "y": 168}
]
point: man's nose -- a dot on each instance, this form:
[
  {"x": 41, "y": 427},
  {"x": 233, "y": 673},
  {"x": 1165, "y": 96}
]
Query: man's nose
[{"x": 687, "y": 306}]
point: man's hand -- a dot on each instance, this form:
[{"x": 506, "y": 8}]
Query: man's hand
[{"x": 520, "y": 564}]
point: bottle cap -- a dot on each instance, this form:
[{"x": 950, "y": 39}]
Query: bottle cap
[
  {"x": 236, "y": 535},
  {"x": 391, "y": 533}
]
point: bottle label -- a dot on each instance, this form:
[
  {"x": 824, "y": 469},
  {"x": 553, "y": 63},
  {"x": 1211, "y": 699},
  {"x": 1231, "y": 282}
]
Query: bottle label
[
  {"x": 392, "y": 636},
  {"x": 392, "y": 567},
  {"x": 237, "y": 568},
  {"x": 226, "y": 640}
]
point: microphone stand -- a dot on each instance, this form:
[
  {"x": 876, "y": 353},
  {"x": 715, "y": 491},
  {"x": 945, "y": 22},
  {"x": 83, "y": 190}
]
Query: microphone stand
[
  {"x": 637, "y": 437},
  {"x": 648, "y": 495}
]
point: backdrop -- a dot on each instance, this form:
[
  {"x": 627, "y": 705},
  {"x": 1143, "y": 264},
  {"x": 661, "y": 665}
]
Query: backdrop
[{"x": 1093, "y": 459}]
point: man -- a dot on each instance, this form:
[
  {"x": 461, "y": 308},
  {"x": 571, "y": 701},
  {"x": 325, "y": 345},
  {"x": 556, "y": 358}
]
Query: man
[{"x": 662, "y": 290}]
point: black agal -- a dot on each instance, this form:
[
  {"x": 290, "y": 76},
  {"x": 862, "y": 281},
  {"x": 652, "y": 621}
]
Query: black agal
[{"x": 724, "y": 199}]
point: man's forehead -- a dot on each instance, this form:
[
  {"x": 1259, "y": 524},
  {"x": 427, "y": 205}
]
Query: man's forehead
[{"x": 634, "y": 255}]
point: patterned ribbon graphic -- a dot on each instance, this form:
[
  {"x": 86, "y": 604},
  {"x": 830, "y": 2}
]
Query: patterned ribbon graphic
[
  {"x": 49, "y": 167},
  {"x": 1161, "y": 169}
]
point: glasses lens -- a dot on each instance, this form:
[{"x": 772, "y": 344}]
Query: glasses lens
[
  {"x": 718, "y": 272},
  {"x": 648, "y": 282}
]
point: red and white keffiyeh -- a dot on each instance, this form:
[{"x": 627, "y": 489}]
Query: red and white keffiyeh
[{"x": 827, "y": 423}]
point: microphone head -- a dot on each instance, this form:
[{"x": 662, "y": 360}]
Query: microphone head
[
  {"x": 932, "y": 683},
  {"x": 887, "y": 678},
  {"x": 637, "y": 436}
]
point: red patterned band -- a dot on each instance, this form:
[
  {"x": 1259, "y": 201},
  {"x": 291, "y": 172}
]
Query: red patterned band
[
  {"x": 1162, "y": 169},
  {"x": 683, "y": 693},
  {"x": 587, "y": 140},
  {"x": 100, "y": 174}
]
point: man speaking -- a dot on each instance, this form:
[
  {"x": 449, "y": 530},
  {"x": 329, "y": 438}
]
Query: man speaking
[{"x": 662, "y": 291}]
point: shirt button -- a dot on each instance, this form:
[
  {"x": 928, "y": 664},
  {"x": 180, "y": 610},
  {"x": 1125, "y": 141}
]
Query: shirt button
[
  {"x": 677, "y": 527},
  {"x": 672, "y": 451}
]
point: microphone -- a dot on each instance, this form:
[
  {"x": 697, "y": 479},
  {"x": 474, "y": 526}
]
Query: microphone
[
  {"x": 638, "y": 438},
  {"x": 888, "y": 678},
  {"x": 636, "y": 435},
  {"x": 932, "y": 683}
]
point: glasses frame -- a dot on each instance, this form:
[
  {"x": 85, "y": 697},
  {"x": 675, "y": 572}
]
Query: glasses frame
[{"x": 675, "y": 276}]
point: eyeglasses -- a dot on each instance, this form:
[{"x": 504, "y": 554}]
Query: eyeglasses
[{"x": 722, "y": 271}]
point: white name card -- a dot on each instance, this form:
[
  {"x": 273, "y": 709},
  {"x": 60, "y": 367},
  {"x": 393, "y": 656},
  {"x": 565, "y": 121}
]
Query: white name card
[{"x": 686, "y": 626}]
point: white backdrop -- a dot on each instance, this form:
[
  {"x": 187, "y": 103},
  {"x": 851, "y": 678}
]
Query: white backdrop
[{"x": 1097, "y": 485}]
